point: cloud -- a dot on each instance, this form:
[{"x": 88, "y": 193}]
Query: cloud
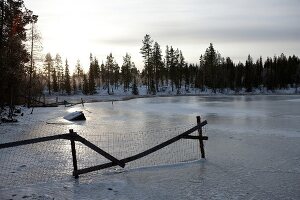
[{"x": 236, "y": 34}]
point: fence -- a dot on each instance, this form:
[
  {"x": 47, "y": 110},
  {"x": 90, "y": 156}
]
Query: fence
[{"x": 78, "y": 143}]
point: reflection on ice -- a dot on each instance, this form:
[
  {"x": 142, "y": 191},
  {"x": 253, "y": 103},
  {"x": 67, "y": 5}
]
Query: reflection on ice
[{"x": 239, "y": 113}]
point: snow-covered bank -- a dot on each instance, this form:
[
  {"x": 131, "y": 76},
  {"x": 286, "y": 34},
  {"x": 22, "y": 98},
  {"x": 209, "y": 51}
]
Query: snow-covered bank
[{"x": 119, "y": 94}]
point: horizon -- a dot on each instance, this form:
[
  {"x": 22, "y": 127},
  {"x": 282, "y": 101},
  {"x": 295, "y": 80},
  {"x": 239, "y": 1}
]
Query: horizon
[{"x": 118, "y": 27}]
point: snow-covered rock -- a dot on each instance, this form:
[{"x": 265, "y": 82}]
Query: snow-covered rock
[{"x": 77, "y": 115}]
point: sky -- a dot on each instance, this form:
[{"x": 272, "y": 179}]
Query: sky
[{"x": 237, "y": 28}]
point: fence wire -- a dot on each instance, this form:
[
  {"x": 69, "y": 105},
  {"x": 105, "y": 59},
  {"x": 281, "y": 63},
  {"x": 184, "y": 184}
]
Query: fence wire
[{"x": 52, "y": 161}]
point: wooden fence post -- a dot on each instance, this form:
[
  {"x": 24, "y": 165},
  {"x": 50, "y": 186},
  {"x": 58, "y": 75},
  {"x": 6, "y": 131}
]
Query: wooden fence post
[
  {"x": 200, "y": 138},
  {"x": 72, "y": 138}
]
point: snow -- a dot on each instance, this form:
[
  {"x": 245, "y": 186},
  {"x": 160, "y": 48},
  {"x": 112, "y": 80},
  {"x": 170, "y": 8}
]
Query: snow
[{"x": 252, "y": 153}]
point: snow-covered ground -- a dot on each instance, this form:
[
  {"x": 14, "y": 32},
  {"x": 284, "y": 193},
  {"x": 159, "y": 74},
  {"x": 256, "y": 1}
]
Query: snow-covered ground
[
  {"x": 119, "y": 94},
  {"x": 253, "y": 150}
]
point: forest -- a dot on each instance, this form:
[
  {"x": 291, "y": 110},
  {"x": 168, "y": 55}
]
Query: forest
[{"x": 22, "y": 80}]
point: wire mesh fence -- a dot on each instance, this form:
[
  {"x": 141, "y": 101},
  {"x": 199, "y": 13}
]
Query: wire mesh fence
[{"x": 52, "y": 161}]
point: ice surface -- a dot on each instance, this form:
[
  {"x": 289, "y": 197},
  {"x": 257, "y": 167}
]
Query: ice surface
[{"x": 253, "y": 150}]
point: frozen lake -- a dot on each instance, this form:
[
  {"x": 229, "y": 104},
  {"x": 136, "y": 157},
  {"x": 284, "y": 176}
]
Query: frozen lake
[
  {"x": 253, "y": 150},
  {"x": 236, "y": 114}
]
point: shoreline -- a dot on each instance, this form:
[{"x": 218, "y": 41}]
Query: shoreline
[{"x": 108, "y": 98}]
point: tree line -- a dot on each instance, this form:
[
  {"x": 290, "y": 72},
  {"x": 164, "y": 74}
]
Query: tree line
[
  {"x": 108, "y": 75},
  {"x": 214, "y": 71},
  {"x": 22, "y": 81}
]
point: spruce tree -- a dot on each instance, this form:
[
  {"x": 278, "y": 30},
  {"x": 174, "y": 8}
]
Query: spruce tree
[
  {"x": 269, "y": 74},
  {"x": 48, "y": 66},
  {"x": 157, "y": 65},
  {"x": 92, "y": 85},
  {"x": 79, "y": 74},
  {"x": 202, "y": 69},
  {"x": 116, "y": 75},
  {"x": 167, "y": 65},
  {"x": 187, "y": 80},
  {"x": 97, "y": 72},
  {"x": 146, "y": 52},
  {"x": 230, "y": 73},
  {"x": 85, "y": 86},
  {"x": 67, "y": 79},
  {"x": 109, "y": 66},
  {"x": 54, "y": 81},
  {"x": 210, "y": 67},
  {"x": 173, "y": 67},
  {"x": 135, "y": 90},
  {"x": 74, "y": 85},
  {"x": 126, "y": 72},
  {"x": 248, "y": 74},
  {"x": 181, "y": 64},
  {"x": 239, "y": 76},
  {"x": 103, "y": 75},
  {"x": 59, "y": 72}
]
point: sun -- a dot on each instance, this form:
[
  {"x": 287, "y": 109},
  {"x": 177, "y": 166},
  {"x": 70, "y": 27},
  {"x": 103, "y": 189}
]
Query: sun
[{"x": 68, "y": 32}]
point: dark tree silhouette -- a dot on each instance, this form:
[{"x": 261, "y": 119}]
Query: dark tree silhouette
[
  {"x": 48, "y": 67},
  {"x": 146, "y": 52},
  {"x": 126, "y": 72},
  {"x": 67, "y": 79},
  {"x": 92, "y": 84}
]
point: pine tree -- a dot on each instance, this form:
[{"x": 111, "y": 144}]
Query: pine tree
[
  {"x": 187, "y": 80},
  {"x": 248, "y": 74},
  {"x": 116, "y": 75},
  {"x": 48, "y": 66},
  {"x": 260, "y": 71},
  {"x": 126, "y": 72},
  {"x": 60, "y": 72},
  {"x": 85, "y": 85},
  {"x": 181, "y": 64},
  {"x": 109, "y": 67},
  {"x": 92, "y": 84},
  {"x": 201, "y": 73},
  {"x": 67, "y": 79},
  {"x": 54, "y": 80},
  {"x": 97, "y": 72},
  {"x": 135, "y": 90},
  {"x": 210, "y": 67},
  {"x": 173, "y": 56},
  {"x": 74, "y": 85},
  {"x": 230, "y": 73},
  {"x": 167, "y": 65},
  {"x": 269, "y": 74},
  {"x": 79, "y": 74},
  {"x": 157, "y": 65},
  {"x": 34, "y": 36},
  {"x": 146, "y": 52},
  {"x": 103, "y": 74},
  {"x": 14, "y": 17},
  {"x": 239, "y": 76}
]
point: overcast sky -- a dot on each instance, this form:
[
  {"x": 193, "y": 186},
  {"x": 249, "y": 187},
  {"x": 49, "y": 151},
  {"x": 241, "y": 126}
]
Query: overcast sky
[{"x": 76, "y": 28}]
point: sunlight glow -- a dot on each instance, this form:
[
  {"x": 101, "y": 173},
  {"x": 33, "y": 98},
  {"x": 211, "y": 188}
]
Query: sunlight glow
[{"x": 75, "y": 28}]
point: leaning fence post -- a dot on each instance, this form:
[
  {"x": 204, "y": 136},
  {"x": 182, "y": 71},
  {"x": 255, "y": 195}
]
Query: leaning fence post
[
  {"x": 72, "y": 138},
  {"x": 200, "y": 138}
]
